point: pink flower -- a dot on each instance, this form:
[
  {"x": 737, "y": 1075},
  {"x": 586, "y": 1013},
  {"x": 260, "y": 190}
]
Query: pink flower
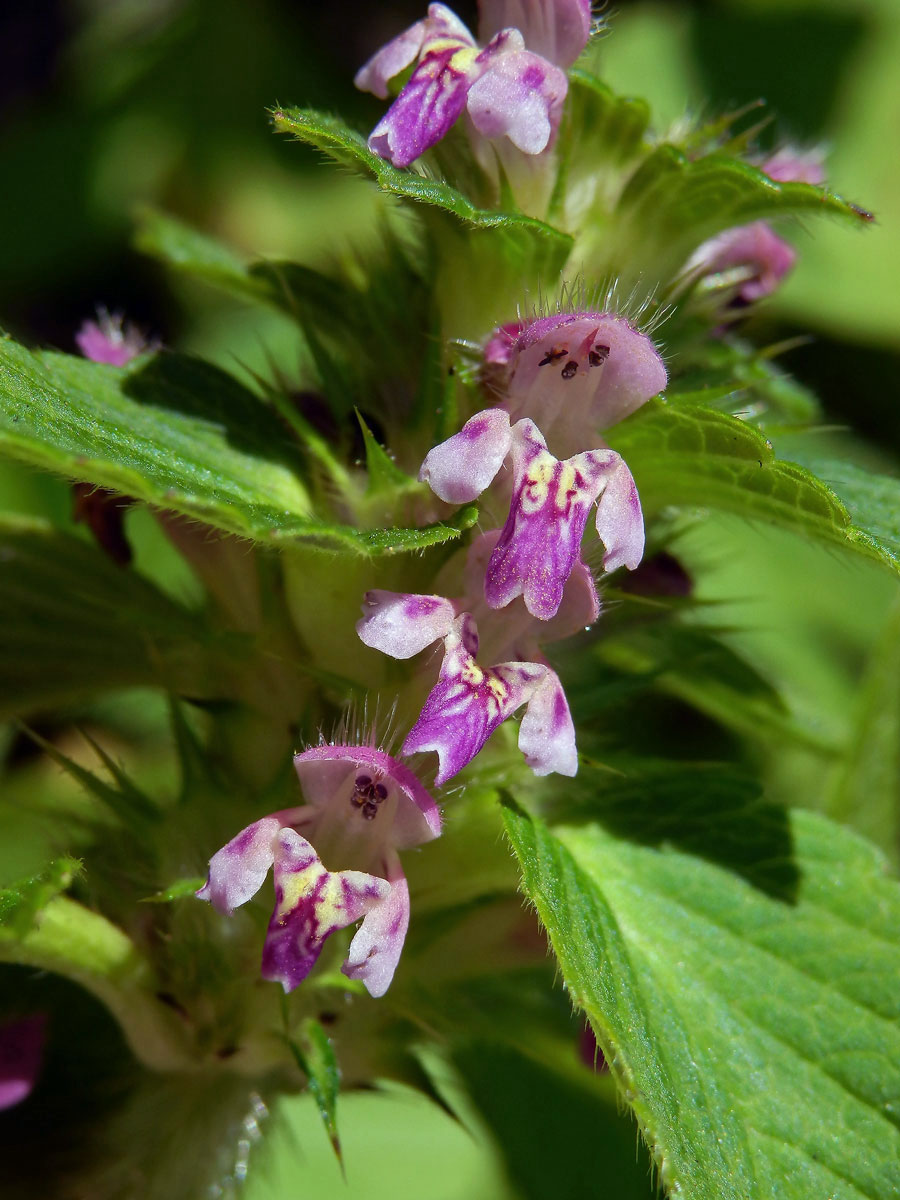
[
  {"x": 109, "y": 340},
  {"x": 362, "y": 806},
  {"x": 540, "y": 544},
  {"x": 510, "y": 92},
  {"x": 469, "y": 702}
]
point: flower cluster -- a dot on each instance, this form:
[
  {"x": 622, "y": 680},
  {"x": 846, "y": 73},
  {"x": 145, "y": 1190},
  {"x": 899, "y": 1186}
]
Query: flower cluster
[{"x": 536, "y": 458}]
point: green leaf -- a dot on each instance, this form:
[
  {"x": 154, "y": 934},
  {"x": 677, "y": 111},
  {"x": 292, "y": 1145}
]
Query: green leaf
[
  {"x": 125, "y": 800},
  {"x": 692, "y": 664},
  {"x": 384, "y": 474},
  {"x": 21, "y": 904},
  {"x": 183, "y": 435},
  {"x": 317, "y": 1060},
  {"x": 739, "y": 966},
  {"x": 582, "y": 1135},
  {"x": 693, "y": 456},
  {"x": 866, "y": 785},
  {"x": 179, "y": 890},
  {"x": 523, "y": 238},
  {"x": 193, "y": 253},
  {"x": 73, "y": 624},
  {"x": 609, "y": 126},
  {"x": 739, "y": 378},
  {"x": 872, "y": 500},
  {"x": 672, "y": 203}
]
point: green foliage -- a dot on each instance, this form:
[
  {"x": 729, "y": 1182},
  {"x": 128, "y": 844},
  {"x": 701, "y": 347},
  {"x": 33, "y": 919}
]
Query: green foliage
[
  {"x": 75, "y": 624},
  {"x": 22, "y": 903},
  {"x": 672, "y": 203},
  {"x": 578, "y": 1146},
  {"x": 715, "y": 943},
  {"x": 182, "y": 435},
  {"x": 316, "y": 1059},
  {"x": 528, "y": 241},
  {"x": 688, "y": 455}
]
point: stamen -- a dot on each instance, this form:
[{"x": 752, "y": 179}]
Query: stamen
[{"x": 570, "y": 370}]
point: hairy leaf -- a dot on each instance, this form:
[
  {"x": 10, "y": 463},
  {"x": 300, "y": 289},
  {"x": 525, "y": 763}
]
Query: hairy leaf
[
  {"x": 522, "y": 238},
  {"x": 738, "y": 964},
  {"x": 182, "y": 435},
  {"x": 687, "y": 455},
  {"x": 73, "y": 624},
  {"x": 672, "y": 203},
  {"x": 21, "y": 904}
]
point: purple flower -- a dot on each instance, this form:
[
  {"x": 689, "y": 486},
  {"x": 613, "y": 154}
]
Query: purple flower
[
  {"x": 558, "y": 30},
  {"x": 540, "y": 543},
  {"x": 750, "y": 261},
  {"x": 21, "y": 1053},
  {"x": 752, "y": 257},
  {"x": 469, "y": 702},
  {"x": 573, "y": 373},
  {"x": 509, "y": 92},
  {"x": 361, "y": 808},
  {"x": 789, "y": 165},
  {"x": 109, "y": 340}
]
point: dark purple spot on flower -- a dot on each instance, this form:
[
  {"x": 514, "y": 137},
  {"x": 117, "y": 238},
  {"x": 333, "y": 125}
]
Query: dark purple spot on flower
[
  {"x": 533, "y": 77},
  {"x": 370, "y": 810},
  {"x": 598, "y": 356},
  {"x": 242, "y": 843},
  {"x": 570, "y": 370},
  {"x": 471, "y": 431}
]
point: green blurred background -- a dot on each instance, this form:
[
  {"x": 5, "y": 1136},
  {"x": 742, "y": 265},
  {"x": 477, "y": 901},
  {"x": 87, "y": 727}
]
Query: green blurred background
[{"x": 109, "y": 105}]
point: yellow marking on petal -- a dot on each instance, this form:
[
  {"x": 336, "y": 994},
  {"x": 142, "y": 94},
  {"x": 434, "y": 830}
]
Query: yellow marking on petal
[
  {"x": 499, "y": 689},
  {"x": 297, "y": 886},
  {"x": 472, "y": 674},
  {"x": 464, "y": 59},
  {"x": 538, "y": 478},
  {"x": 566, "y": 484}
]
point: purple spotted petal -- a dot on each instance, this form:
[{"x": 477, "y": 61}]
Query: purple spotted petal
[
  {"x": 238, "y": 870},
  {"x": 620, "y": 522},
  {"x": 556, "y": 29},
  {"x": 577, "y": 373},
  {"x": 430, "y": 102},
  {"x": 310, "y": 904},
  {"x": 378, "y": 943},
  {"x": 390, "y": 60},
  {"x": 765, "y": 257},
  {"x": 514, "y": 633},
  {"x": 402, "y": 624},
  {"x": 547, "y": 734},
  {"x": 21, "y": 1054},
  {"x": 328, "y": 774},
  {"x": 541, "y": 540},
  {"x": 460, "y": 468},
  {"x": 519, "y": 96},
  {"x": 467, "y": 704}
]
